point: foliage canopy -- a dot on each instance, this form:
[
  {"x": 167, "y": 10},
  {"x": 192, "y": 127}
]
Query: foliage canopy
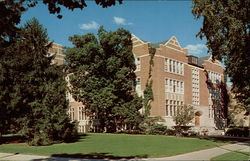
[
  {"x": 184, "y": 115},
  {"x": 226, "y": 26},
  {"x": 102, "y": 75},
  {"x": 34, "y": 90}
]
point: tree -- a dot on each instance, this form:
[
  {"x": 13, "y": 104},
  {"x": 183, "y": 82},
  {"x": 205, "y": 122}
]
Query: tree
[
  {"x": 102, "y": 77},
  {"x": 226, "y": 27},
  {"x": 184, "y": 115},
  {"x": 37, "y": 99}
]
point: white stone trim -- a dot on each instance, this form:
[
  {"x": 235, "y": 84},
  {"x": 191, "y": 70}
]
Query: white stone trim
[
  {"x": 160, "y": 56},
  {"x": 168, "y": 42},
  {"x": 133, "y": 36},
  {"x": 175, "y": 49},
  {"x": 138, "y": 45},
  {"x": 193, "y": 66},
  {"x": 141, "y": 56}
]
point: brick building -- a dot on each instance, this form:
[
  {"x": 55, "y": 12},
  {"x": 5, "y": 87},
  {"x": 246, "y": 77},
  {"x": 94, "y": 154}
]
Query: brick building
[
  {"x": 76, "y": 109},
  {"x": 57, "y": 50},
  {"x": 179, "y": 78}
]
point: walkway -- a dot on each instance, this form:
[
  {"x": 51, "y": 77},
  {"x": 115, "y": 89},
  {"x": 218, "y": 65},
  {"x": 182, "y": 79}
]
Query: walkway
[
  {"x": 197, "y": 155},
  {"x": 209, "y": 153}
]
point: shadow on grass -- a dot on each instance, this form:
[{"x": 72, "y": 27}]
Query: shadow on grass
[
  {"x": 76, "y": 139},
  {"x": 102, "y": 156},
  {"x": 225, "y": 139},
  {"x": 98, "y": 156},
  {"x": 11, "y": 139},
  {"x": 14, "y": 139}
]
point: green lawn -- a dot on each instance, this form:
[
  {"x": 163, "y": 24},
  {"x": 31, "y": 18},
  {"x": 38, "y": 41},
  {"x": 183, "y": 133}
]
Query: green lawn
[
  {"x": 116, "y": 146},
  {"x": 242, "y": 156}
]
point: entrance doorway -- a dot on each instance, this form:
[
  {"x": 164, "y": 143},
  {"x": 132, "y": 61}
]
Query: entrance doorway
[{"x": 197, "y": 120}]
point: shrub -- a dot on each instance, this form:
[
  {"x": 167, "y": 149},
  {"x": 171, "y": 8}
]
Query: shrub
[
  {"x": 151, "y": 126},
  {"x": 240, "y": 132},
  {"x": 157, "y": 129},
  {"x": 170, "y": 132},
  {"x": 69, "y": 133}
]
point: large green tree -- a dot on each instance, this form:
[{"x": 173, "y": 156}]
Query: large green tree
[
  {"x": 34, "y": 90},
  {"x": 10, "y": 16},
  {"x": 102, "y": 75},
  {"x": 226, "y": 26}
]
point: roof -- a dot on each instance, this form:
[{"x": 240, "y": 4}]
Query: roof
[
  {"x": 157, "y": 45},
  {"x": 202, "y": 59}
]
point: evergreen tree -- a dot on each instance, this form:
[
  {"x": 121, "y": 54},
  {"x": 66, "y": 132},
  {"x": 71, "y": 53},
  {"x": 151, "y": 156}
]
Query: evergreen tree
[
  {"x": 103, "y": 74},
  {"x": 38, "y": 93}
]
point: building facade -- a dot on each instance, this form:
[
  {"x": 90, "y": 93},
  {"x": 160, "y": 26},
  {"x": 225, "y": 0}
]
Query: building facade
[
  {"x": 76, "y": 109},
  {"x": 178, "y": 79},
  {"x": 57, "y": 51}
]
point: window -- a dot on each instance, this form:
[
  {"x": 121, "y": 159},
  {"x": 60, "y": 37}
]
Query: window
[
  {"x": 170, "y": 65},
  {"x": 166, "y": 65},
  {"x": 72, "y": 114},
  {"x": 178, "y": 87},
  {"x": 166, "y": 85},
  {"x": 214, "y": 77},
  {"x": 138, "y": 81},
  {"x": 81, "y": 113},
  {"x": 178, "y": 67},
  {"x": 214, "y": 94},
  {"x": 138, "y": 63},
  {"x": 174, "y": 66},
  {"x": 174, "y": 86},
  {"x": 172, "y": 107},
  {"x": 195, "y": 87},
  {"x": 182, "y": 87},
  {"x": 174, "y": 82},
  {"x": 209, "y": 111},
  {"x": 181, "y": 68},
  {"x": 166, "y": 107},
  {"x": 81, "y": 128},
  {"x": 171, "y": 110},
  {"x": 138, "y": 86}
]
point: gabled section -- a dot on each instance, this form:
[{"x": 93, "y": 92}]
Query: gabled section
[
  {"x": 173, "y": 42},
  {"x": 136, "y": 41},
  {"x": 215, "y": 61}
]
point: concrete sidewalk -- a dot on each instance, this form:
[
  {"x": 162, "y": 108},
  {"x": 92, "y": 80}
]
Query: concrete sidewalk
[
  {"x": 197, "y": 155},
  {"x": 209, "y": 153}
]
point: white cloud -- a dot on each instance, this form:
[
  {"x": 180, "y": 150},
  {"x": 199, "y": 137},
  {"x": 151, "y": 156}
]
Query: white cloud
[
  {"x": 121, "y": 21},
  {"x": 89, "y": 26},
  {"x": 197, "y": 50}
]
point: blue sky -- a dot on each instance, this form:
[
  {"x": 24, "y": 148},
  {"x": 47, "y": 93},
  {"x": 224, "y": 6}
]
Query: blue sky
[{"x": 152, "y": 21}]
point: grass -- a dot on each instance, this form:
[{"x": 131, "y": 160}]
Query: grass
[
  {"x": 116, "y": 146},
  {"x": 243, "y": 156}
]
